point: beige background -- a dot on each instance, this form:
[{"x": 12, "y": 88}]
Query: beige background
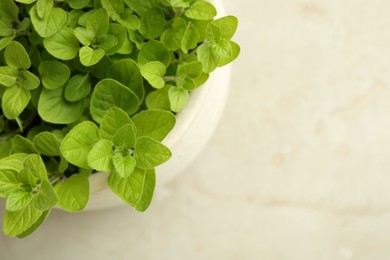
[{"x": 298, "y": 168}]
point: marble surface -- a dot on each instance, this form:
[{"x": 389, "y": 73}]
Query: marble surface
[{"x": 299, "y": 167}]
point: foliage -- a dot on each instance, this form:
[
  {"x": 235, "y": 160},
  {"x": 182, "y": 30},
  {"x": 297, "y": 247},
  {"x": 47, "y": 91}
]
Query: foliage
[{"x": 94, "y": 85}]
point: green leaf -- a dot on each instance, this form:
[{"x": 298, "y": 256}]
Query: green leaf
[
  {"x": 179, "y": 3},
  {"x": 113, "y": 7},
  {"x": 141, "y": 7},
  {"x": 77, "y": 88},
  {"x": 107, "y": 42},
  {"x": 125, "y": 136},
  {"x": 120, "y": 33},
  {"x": 235, "y": 52},
  {"x": 136, "y": 189},
  {"x": 21, "y": 144},
  {"x": 127, "y": 47},
  {"x": 172, "y": 37},
  {"x": 26, "y": 1},
  {"x": 207, "y": 56},
  {"x": 74, "y": 17},
  {"x": 16, "y": 55},
  {"x": 8, "y": 76},
  {"x": 54, "y": 74},
  {"x": 51, "y": 23},
  {"x": 54, "y": 108},
  {"x": 228, "y": 26},
  {"x": 199, "y": 81},
  {"x": 100, "y": 156},
  {"x": 126, "y": 71},
  {"x": 84, "y": 35},
  {"x": 28, "y": 180},
  {"x": 152, "y": 23},
  {"x": 149, "y": 183},
  {"x": 187, "y": 83},
  {"x": 24, "y": 24},
  {"x": 190, "y": 38},
  {"x": 201, "y": 10},
  {"x": 47, "y": 143},
  {"x": 222, "y": 48},
  {"x": 155, "y": 124},
  {"x": 136, "y": 38},
  {"x": 178, "y": 98},
  {"x": 154, "y": 51},
  {"x": 28, "y": 80},
  {"x": 110, "y": 93},
  {"x": 14, "y": 101},
  {"x": 34, "y": 226},
  {"x": 150, "y": 153},
  {"x": 89, "y": 56},
  {"x": 85, "y": 17},
  {"x": 124, "y": 164},
  {"x": 77, "y": 144},
  {"x": 9, "y": 182},
  {"x": 44, "y": 7},
  {"x": 158, "y": 99},
  {"x": 153, "y": 72},
  {"x": 78, "y": 4},
  {"x": 16, "y": 222},
  {"x": 13, "y": 162},
  {"x": 5, "y": 41},
  {"x": 112, "y": 121},
  {"x": 34, "y": 166},
  {"x": 73, "y": 193},
  {"x": 213, "y": 32},
  {"x": 9, "y": 10},
  {"x": 190, "y": 75},
  {"x": 127, "y": 19},
  {"x": 46, "y": 198},
  {"x": 192, "y": 69},
  {"x": 63, "y": 44},
  {"x": 18, "y": 200},
  {"x": 6, "y": 28},
  {"x": 99, "y": 22}
]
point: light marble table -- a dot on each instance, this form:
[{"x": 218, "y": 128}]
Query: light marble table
[{"x": 299, "y": 167}]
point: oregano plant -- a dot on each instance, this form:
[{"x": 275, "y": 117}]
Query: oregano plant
[{"x": 95, "y": 85}]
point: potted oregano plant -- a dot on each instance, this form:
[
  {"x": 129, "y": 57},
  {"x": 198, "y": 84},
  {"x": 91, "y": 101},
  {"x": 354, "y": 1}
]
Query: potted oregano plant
[{"x": 95, "y": 85}]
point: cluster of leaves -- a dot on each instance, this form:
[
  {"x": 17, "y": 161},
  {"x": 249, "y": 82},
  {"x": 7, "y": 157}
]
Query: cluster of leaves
[{"x": 94, "y": 85}]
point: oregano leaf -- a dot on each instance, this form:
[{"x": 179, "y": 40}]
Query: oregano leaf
[
  {"x": 16, "y": 222},
  {"x": 155, "y": 124},
  {"x": 90, "y": 56},
  {"x": 8, "y": 76},
  {"x": 110, "y": 93},
  {"x": 77, "y": 144},
  {"x": 73, "y": 193},
  {"x": 124, "y": 164},
  {"x": 136, "y": 189},
  {"x": 18, "y": 200},
  {"x": 201, "y": 10},
  {"x": 125, "y": 137},
  {"x": 63, "y": 44},
  {"x": 100, "y": 156},
  {"x": 112, "y": 121},
  {"x": 50, "y": 23},
  {"x": 9, "y": 182},
  {"x": 14, "y": 101},
  {"x": 16, "y": 55},
  {"x": 150, "y": 153},
  {"x": 54, "y": 74},
  {"x": 153, "y": 72}
]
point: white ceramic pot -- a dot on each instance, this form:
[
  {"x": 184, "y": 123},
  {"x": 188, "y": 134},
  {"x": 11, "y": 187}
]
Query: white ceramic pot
[{"x": 194, "y": 126}]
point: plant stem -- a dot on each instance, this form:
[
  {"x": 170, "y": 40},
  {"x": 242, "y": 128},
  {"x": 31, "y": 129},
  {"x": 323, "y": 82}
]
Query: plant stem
[{"x": 170, "y": 78}]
